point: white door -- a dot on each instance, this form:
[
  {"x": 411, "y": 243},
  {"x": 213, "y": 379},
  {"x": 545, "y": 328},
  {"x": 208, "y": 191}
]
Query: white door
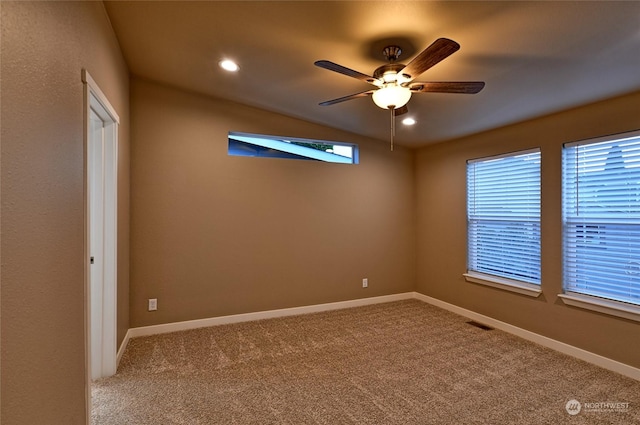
[
  {"x": 96, "y": 240},
  {"x": 101, "y": 145}
]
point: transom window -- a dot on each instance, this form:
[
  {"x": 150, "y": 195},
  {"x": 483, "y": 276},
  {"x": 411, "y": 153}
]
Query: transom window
[
  {"x": 503, "y": 216},
  {"x": 601, "y": 217},
  {"x": 245, "y": 144}
]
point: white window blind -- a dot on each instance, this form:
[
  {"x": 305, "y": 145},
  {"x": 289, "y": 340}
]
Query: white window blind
[
  {"x": 503, "y": 216},
  {"x": 601, "y": 188}
]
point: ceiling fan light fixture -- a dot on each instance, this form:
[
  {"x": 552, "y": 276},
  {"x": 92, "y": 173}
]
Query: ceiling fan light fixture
[
  {"x": 402, "y": 78},
  {"x": 391, "y": 96},
  {"x": 390, "y": 77}
]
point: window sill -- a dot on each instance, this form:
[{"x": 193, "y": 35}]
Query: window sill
[
  {"x": 504, "y": 283},
  {"x": 601, "y": 305}
]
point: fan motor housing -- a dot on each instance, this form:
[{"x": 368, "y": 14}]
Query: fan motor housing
[{"x": 393, "y": 67}]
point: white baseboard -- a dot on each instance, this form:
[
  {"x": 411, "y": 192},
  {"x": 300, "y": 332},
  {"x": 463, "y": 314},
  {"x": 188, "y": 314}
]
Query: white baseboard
[
  {"x": 269, "y": 314},
  {"x": 561, "y": 347},
  {"x": 596, "y": 359}
]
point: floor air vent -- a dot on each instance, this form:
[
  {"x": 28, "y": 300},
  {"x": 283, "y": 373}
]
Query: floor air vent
[{"x": 480, "y": 325}]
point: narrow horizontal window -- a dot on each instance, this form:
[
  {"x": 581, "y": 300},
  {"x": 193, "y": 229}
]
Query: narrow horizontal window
[
  {"x": 503, "y": 216},
  {"x": 601, "y": 218},
  {"x": 244, "y": 144}
]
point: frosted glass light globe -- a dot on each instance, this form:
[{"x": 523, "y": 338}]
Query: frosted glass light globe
[{"x": 391, "y": 96}]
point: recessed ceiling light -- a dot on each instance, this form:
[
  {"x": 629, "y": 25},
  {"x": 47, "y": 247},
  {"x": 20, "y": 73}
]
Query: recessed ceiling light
[
  {"x": 229, "y": 65},
  {"x": 408, "y": 121}
]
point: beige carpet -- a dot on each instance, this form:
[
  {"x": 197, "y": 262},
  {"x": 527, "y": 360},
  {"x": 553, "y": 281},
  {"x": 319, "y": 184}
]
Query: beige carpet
[{"x": 398, "y": 363}]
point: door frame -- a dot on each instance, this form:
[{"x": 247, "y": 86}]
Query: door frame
[{"x": 94, "y": 99}]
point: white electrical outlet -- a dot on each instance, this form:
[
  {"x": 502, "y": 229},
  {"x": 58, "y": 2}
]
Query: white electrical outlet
[
  {"x": 365, "y": 283},
  {"x": 153, "y": 304}
]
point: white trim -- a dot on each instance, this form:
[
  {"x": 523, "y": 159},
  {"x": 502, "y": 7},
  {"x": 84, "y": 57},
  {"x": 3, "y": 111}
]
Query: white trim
[
  {"x": 269, "y": 314},
  {"x": 123, "y": 347},
  {"x": 86, "y": 104},
  {"x": 503, "y": 283},
  {"x": 87, "y": 79},
  {"x": 596, "y": 359},
  {"x": 504, "y": 155},
  {"x": 608, "y": 138},
  {"x": 96, "y": 101},
  {"x": 601, "y": 305}
]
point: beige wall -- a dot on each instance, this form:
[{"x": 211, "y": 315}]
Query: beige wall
[
  {"x": 44, "y": 48},
  {"x": 441, "y": 230},
  {"x": 214, "y": 234}
]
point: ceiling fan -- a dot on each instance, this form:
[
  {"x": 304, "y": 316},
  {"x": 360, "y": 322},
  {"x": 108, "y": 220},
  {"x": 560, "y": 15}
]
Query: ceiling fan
[{"x": 395, "y": 83}]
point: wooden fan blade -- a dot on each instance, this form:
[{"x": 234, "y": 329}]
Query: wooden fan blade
[
  {"x": 439, "y": 50},
  {"x": 348, "y": 72},
  {"x": 466, "y": 87},
  {"x": 345, "y": 98},
  {"x": 400, "y": 111}
]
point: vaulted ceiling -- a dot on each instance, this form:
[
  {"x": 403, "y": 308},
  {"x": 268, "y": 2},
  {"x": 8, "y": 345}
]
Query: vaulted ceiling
[{"x": 535, "y": 57}]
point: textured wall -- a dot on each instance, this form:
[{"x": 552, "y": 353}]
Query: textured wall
[
  {"x": 441, "y": 236},
  {"x": 44, "y": 47},
  {"x": 214, "y": 234}
]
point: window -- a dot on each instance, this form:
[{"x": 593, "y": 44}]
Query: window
[
  {"x": 244, "y": 144},
  {"x": 503, "y": 221},
  {"x": 601, "y": 217}
]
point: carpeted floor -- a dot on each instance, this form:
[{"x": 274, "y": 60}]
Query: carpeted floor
[{"x": 401, "y": 363}]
